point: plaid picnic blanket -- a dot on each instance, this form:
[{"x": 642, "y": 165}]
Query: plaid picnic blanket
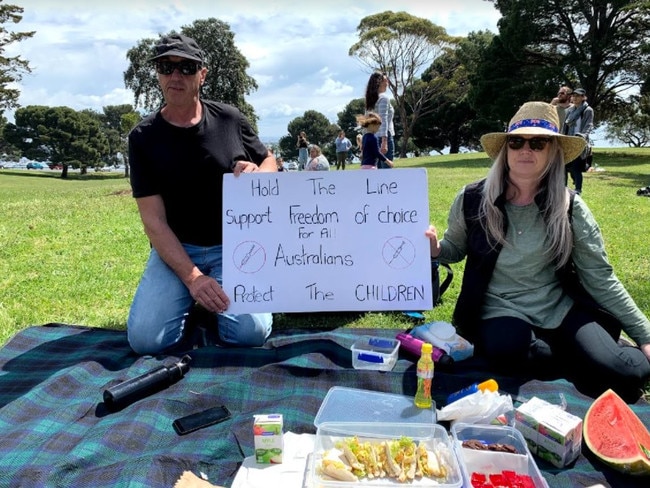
[{"x": 56, "y": 430}]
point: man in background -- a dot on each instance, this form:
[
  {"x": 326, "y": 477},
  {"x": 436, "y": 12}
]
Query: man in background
[
  {"x": 579, "y": 122},
  {"x": 562, "y": 102},
  {"x": 343, "y": 146}
]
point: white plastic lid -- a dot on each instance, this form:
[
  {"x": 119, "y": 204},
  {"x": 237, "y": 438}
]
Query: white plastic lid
[
  {"x": 342, "y": 404},
  {"x": 443, "y": 330}
]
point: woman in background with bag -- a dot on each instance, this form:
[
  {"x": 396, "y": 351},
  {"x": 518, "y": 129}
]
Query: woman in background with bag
[{"x": 538, "y": 293}]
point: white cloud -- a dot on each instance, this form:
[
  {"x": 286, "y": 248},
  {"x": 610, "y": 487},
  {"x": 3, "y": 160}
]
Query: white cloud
[{"x": 298, "y": 52}]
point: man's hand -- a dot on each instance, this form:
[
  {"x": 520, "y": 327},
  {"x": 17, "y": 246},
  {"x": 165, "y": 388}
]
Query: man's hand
[
  {"x": 208, "y": 293},
  {"x": 244, "y": 167}
]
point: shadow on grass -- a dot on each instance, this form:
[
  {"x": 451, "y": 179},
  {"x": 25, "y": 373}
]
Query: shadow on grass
[
  {"x": 315, "y": 320},
  {"x": 470, "y": 163}
]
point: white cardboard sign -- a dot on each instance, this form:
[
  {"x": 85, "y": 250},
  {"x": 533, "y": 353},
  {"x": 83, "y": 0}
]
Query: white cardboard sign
[{"x": 326, "y": 241}]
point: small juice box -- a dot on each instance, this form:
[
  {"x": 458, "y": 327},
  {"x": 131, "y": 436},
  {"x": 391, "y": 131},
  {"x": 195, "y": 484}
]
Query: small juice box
[
  {"x": 267, "y": 431},
  {"x": 551, "y": 433}
]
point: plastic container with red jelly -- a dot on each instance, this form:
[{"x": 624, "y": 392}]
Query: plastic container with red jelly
[{"x": 485, "y": 462}]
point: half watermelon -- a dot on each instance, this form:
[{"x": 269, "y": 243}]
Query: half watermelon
[{"x": 614, "y": 433}]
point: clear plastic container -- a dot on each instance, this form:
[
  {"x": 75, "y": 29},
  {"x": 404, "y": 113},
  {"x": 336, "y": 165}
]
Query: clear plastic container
[
  {"x": 434, "y": 437},
  {"x": 490, "y": 462},
  {"x": 343, "y": 404},
  {"x": 378, "y": 353}
]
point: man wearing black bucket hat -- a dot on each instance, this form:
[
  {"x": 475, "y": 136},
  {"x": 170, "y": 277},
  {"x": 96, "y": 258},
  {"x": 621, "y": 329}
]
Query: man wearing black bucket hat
[
  {"x": 539, "y": 295},
  {"x": 178, "y": 156}
]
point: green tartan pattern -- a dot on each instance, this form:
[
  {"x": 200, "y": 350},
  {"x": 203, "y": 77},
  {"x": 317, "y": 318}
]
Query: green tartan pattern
[{"x": 56, "y": 430}]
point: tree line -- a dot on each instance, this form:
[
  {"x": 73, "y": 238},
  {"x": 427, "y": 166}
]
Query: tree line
[{"x": 447, "y": 90}]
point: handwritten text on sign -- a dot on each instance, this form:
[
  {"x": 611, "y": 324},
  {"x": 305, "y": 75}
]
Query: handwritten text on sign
[{"x": 326, "y": 241}]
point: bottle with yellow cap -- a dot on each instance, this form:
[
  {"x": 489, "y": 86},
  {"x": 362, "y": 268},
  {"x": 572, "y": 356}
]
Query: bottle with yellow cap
[{"x": 425, "y": 377}]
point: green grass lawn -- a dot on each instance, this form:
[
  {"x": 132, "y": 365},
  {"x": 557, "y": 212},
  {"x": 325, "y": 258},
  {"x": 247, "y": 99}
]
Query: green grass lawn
[{"x": 72, "y": 251}]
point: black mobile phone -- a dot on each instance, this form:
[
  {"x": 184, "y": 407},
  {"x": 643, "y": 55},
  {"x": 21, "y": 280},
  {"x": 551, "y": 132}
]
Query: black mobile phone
[{"x": 196, "y": 421}]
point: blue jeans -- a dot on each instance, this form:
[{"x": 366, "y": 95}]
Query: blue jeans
[
  {"x": 303, "y": 156},
  {"x": 390, "y": 153},
  {"x": 575, "y": 168},
  {"x": 162, "y": 303}
]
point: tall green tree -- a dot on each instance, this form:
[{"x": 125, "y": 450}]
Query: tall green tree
[
  {"x": 118, "y": 120},
  {"x": 319, "y": 130},
  {"x": 601, "y": 46},
  {"x": 60, "y": 135},
  {"x": 226, "y": 81},
  {"x": 402, "y": 46},
  {"x": 13, "y": 68},
  {"x": 347, "y": 118},
  {"x": 631, "y": 125},
  {"x": 448, "y": 119}
]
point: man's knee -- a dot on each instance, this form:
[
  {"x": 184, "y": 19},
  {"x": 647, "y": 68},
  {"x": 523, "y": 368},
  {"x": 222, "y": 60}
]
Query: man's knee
[
  {"x": 246, "y": 330},
  {"x": 151, "y": 336},
  {"x": 143, "y": 343}
]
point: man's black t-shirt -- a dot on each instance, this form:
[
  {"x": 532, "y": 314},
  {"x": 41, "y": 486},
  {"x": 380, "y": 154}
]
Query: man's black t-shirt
[{"x": 185, "y": 166}]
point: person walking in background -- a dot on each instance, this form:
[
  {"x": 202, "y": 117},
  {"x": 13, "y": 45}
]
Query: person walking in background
[
  {"x": 579, "y": 122},
  {"x": 178, "y": 156},
  {"x": 303, "y": 153},
  {"x": 378, "y": 101},
  {"x": 343, "y": 146},
  {"x": 370, "y": 154},
  {"x": 317, "y": 162},
  {"x": 561, "y": 103},
  {"x": 539, "y": 294}
]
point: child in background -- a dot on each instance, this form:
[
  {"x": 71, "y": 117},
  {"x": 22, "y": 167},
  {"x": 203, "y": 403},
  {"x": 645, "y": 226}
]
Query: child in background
[{"x": 370, "y": 146}]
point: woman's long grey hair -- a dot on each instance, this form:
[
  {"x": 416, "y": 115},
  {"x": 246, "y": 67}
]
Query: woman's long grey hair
[{"x": 554, "y": 203}]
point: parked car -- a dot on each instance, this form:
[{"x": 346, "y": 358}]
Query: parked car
[{"x": 35, "y": 166}]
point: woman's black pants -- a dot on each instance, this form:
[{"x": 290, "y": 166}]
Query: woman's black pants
[{"x": 580, "y": 350}]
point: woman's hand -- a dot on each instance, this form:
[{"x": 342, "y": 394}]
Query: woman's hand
[{"x": 432, "y": 234}]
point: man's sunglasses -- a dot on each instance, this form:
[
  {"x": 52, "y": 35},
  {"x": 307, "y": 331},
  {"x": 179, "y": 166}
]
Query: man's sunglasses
[
  {"x": 183, "y": 67},
  {"x": 535, "y": 144}
]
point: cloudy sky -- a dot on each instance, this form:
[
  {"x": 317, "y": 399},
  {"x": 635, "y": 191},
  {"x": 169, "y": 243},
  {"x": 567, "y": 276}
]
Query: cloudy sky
[{"x": 298, "y": 51}]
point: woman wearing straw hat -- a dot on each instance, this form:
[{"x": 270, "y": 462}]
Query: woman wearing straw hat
[{"x": 538, "y": 294}]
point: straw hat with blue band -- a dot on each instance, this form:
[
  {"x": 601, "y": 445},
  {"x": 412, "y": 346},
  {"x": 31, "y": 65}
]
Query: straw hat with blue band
[{"x": 535, "y": 119}]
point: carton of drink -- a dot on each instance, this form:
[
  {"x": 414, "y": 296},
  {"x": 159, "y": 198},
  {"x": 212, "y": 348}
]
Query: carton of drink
[
  {"x": 551, "y": 433},
  {"x": 267, "y": 432}
]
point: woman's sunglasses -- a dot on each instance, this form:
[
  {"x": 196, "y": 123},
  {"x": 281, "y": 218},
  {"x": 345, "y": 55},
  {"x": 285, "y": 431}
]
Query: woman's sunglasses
[
  {"x": 184, "y": 67},
  {"x": 535, "y": 144}
]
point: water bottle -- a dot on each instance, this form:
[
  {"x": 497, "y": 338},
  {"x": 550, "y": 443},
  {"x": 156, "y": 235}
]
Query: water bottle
[
  {"x": 413, "y": 345},
  {"x": 425, "y": 377}
]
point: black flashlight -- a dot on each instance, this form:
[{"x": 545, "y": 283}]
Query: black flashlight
[{"x": 127, "y": 392}]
